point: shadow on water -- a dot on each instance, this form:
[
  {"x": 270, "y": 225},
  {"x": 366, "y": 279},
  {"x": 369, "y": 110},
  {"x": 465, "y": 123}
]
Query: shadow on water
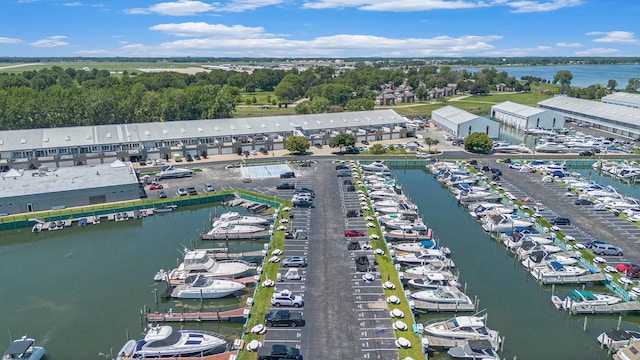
[{"x": 518, "y": 307}]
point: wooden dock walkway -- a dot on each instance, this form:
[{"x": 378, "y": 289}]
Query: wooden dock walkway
[
  {"x": 619, "y": 308},
  {"x": 567, "y": 280},
  {"x": 439, "y": 342},
  {"x": 235, "y": 315}
]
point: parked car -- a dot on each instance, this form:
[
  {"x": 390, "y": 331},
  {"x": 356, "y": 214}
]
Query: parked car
[
  {"x": 208, "y": 187},
  {"x": 285, "y": 186},
  {"x": 606, "y": 249},
  {"x": 181, "y": 192},
  {"x": 591, "y": 243},
  {"x": 302, "y": 203},
  {"x": 283, "y": 318},
  {"x": 353, "y": 233},
  {"x": 365, "y": 142},
  {"x": 583, "y": 202},
  {"x": 279, "y": 351},
  {"x": 632, "y": 270},
  {"x": 156, "y": 187},
  {"x": 305, "y": 164},
  {"x": 263, "y": 151},
  {"x": 344, "y": 172},
  {"x": 294, "y": 261},
  {"x": 189, "y": 158},
  {"x": 162, "y": 194},
  {"x": 422, "y": 156},
  {"x": 560, "y": 220},
  {"x": 196, "y": 156},
  {"x": 192, "y": 191},
  {"x": 585, "y": 153},
  {"x": 286, "y": 298},
  {"x": 287, "y": 175},
  {"x": 342, "y": 166}
]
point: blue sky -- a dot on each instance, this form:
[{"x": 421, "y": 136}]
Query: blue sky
[{"x": 320, "y": 28}]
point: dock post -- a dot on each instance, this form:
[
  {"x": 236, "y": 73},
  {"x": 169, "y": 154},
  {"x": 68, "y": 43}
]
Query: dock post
[
  {"x": 584, "y": 327},
  {"x": 619, "y": 321},
  {"x": 127, "y": 334},
  {"x": 465, "y": 287},
  {"x": 155, "y": 294},
  {"x": 553, "y": 289},
  {"x": 502, "y": 343}
]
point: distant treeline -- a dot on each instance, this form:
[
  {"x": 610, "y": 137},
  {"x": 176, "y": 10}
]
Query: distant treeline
[{"x": 373, "y": 61}]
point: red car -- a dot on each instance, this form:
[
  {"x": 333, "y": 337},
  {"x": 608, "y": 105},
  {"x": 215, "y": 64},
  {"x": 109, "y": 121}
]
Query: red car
[
  {"x": 632, "y": 270},
  {"x": 352, "y": 233},
  {"x": 156, "y": 187}
]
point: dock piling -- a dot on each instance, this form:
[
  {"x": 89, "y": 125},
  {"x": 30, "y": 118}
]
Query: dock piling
[
  {"x": 619, "y": 321},
  {"x": 584, "y": 327}
]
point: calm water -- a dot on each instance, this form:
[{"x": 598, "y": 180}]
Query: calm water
[
  {"x": 516, "y": 305},
  {"x": 80, "y": 290},
  {"x": 583, "y": 75}
]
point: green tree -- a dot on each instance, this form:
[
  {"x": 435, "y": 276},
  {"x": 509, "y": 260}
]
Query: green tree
[
  {"x": 612, "y": 84},
  {"x": 342, "y": 139},
  {"x": 377, "y": 149},
  {"x": 563, "y": 77},
  {"x": 431, "y": 142},
  {"x": 297, "y": 144},
  {"x": 478, "y": 142},
  {"x": 359, "y": 105}
]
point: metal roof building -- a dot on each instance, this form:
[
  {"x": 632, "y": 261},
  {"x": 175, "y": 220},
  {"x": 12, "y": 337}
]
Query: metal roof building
[
  {"x": 621, "y": 98},
  {"x": 461, "y": 123},
  {"x": 617, "y": 119},
  {"x": 525, "y": 117}
]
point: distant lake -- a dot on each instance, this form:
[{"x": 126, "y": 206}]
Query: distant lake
[{"x": 583, "y": 75}]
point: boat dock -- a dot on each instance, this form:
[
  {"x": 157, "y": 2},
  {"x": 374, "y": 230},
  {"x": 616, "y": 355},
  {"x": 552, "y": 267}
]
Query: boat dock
[
  {"x": 266, "y": 234},
  {"x": 224, "y": 254},
  {"x": 567, "y": 280},
  {"x": 235, "y": 315},
  {"x": 229, "y": 355},
  {"x": 619, "y": 308},
  {"x": 438, "y": 307}
]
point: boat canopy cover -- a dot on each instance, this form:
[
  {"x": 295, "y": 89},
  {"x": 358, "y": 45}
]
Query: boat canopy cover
[
  {"x": 479, "y": 345},
  {"x": 19, "y": 347},
  {"x": 556, "y": 265}
]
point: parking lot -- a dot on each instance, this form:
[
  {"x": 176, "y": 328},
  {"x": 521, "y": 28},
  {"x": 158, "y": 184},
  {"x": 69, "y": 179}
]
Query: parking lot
[{"x": 587, "y": 224}]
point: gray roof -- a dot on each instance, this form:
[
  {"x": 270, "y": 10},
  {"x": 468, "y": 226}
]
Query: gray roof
[
  {"x": 177, "y": 130},
  {"x": 518, "y": 109},
  {"x": 67, "y": 178},
  {"x": 623, "y": 97},
  {"x": 623, "y": 114},
  {"x": 454, "y": 115}
]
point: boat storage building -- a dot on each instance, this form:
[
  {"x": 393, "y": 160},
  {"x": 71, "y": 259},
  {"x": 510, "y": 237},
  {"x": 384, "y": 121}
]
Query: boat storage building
[
  {"x": 623, "y": 99},
  {"x": 25, "y": 191},
  {"x": 461, "y": 123},
  {"x": 617, "y": 119},
  {"x": 525, "y": 117}
]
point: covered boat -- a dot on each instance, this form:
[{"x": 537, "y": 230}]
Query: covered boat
[
  {"x": 23, "y": 349},
  {"x": 556, "y": 270},
  {"x": 461, "y": 327},
  {"x": 233, "y": 217},
  {"x": 615, "y": 339},
  {"x": 165, "y": 341},
  {"x": 474, "y": 349},
  {"x": 584, "y": 298},
  {"x": 433, "y": 281},
  {"x": 199, "y": 262},
  {"x": 206, "y": 288},
  {"x": 443, "y": 295}
]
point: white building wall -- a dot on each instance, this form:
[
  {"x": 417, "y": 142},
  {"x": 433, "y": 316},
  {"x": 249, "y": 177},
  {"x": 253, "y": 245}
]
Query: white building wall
[
  {"x": 546, "y": 120},
  {"x": 445, "y": 123},
  {"x": 481, "y": 125}
]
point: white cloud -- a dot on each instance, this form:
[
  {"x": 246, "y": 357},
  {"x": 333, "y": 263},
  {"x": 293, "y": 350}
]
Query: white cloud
[
  {"x": 395, "y": 5},
  {"x": 176, "y": 8},
  {"x": 533, "y": 51},
  {"x": 568, "y": 45},
  {"x": 244, "y": 5},
  {"x": 73, "y": 4},
  {"x": 210, "y": 30},
  {"x": 597, "y": 52},
  {"x": 6, "y": 40},
  {"x": 526, "y": 6},
  {"x": 614, "y": 37},
  {"x": 266, "y": 45},
  {"x": 50, "y": 41}
]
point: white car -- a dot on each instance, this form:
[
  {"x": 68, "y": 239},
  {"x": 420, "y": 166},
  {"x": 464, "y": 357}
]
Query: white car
[
  {"x": 208, "y": 187},
  {"x": 422, "y": 156},
  {"x": 286, "y": 298},
  {"x": 182, "y": 192}
]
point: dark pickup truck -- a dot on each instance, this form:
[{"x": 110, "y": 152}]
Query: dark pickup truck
[
  {"x": 284, "y": 318},
  {"x": 278, "y": 351}
]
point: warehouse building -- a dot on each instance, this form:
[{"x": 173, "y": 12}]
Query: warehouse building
[
  {"x": 461, "y": 123},
  {"x": 622, "y": 99},
  {"x": 525, "y": 117},
  {"x": 86, "y": 145},
  {"x": 620, "y": 120},
  {"x": 26, "y": 191}
]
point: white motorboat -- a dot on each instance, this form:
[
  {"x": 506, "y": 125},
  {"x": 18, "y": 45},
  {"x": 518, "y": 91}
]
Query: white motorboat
[
  {"x": 23, "y": 349},
  {"x": 206, "y": 288},
  {"x": 616, "y": 339},
  {"x": 542, "y": 258},
  {"x": 418, "y": 246},
  {"x": 584, "y": 298},
  {"x": 496, "y": 221},
  {"x": 431, "y": 268},
  {"x": 443, "y": 295},
  {"x": 160, "y": 275},
  {"x": 481, "y": 209},
  {"x": 555, "y": 270},
  {"x": 169, "y": 172},
  {"x": 475, "y": 350},
  {"x": 461, "y": 328},
  {"x": 233, "y": 217},
  {"x": 165, "y": 341},
  {"x": 433, "y": 281},
  {"x": 384, "y": 193},
  {"x": 528, "y": 247},
  {"x": 550, "y": 146},
  {"x": 235, "y": 231},
  {"x": 407, "y": 233},
  {"x": 407, "y": 216},
  {"x": 378, "y": 167},
  {"x": 399, "y": 224},
  {"x": 504, "y": 147},
  {"x": 425, "y": 256},
  {"x": 199, "y": 262}
]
